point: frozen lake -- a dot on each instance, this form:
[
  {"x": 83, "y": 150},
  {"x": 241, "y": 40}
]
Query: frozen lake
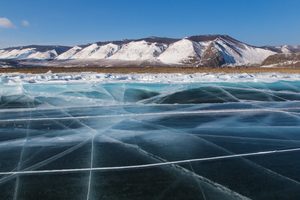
[{"x": 208, "y": 140}]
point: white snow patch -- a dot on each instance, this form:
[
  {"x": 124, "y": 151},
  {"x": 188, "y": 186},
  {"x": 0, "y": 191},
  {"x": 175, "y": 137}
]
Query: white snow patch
[{"x": 285, "y": 49}]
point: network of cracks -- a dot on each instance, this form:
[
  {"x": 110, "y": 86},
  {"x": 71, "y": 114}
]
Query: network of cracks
[{"x": 150, "y": 141}]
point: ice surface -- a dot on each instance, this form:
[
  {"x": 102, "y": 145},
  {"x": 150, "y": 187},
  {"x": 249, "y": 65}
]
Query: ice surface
[
  {"x": 103, "y": 136},
  {"x": 14, "y": 78}
]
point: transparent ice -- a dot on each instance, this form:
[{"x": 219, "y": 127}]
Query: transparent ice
[{"x": 111, "y": 140}]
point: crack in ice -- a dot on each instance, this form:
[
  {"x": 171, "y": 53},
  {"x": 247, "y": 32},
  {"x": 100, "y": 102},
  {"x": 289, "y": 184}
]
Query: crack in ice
[
  {"x": 152, "y": 164},
  {"x": 280, "y": 110}
]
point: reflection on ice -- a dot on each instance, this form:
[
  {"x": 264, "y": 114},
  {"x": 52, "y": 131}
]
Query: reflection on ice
[{"x": 72, "y": 129}]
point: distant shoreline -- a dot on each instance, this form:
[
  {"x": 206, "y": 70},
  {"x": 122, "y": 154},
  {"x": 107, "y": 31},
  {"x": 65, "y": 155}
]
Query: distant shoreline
[{"x": 127, "y": 70}]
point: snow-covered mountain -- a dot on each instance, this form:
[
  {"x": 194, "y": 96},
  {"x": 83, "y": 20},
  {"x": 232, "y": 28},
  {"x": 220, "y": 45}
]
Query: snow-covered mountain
[
  {"x": 33, "y": 52},
  {"x": 205, "y": 50},
  {"x": 139, "y": 50},
  {"x": 286, "y": 49},
  {"x": 69, "y": 54},
  {"x": 182, "y": 51}
]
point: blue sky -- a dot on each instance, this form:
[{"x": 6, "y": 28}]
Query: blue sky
[{"x": 71, "y": 22}]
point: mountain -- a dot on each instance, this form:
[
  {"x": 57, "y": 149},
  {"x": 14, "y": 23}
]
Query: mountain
[
  {"x": 287, "y": 49},
  {"x": 36, "y": 52},
  {"x": 201, "y": 50},
  {"x": 283, "y": 59}
]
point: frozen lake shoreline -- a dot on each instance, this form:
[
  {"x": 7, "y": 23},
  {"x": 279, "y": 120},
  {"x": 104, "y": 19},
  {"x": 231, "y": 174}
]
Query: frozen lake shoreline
[{"x": 11, "y": 78}]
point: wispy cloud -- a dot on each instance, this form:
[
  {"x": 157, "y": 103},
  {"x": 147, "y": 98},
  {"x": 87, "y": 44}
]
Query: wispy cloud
[
  {"x": 25, "y": 23},
  {"x": 6, "y": 23}
]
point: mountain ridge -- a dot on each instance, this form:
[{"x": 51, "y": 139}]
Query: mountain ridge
[{"x": 198, "y": 50}]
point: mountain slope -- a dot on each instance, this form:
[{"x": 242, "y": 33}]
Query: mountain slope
[
  {"x": 183, "y": 51},
  {"x": 69, "y": 54},
  {"x": 201, "y": 50},
  {"x": 139, "y": 50},
  {"x": 105, "y": 51},
  {"x": 238, "y": 53},
  {"x": 35, "y": 52}
]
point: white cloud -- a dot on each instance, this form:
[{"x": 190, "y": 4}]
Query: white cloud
[
  {"x": 25, "y": 23},
  {"x": 6, "y": 23}
]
